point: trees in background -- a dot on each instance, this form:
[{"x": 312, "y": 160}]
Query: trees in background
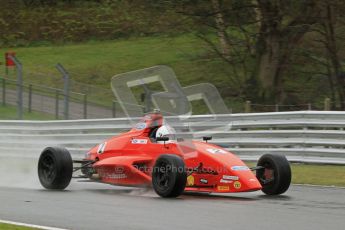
[
  {"x": 331, "y": 30},
  {"x": 260, "y": 38},
  {"x": 26, "y": 22},
  {"x": 257, "y": 36},
  {"x": 281, "y": 26},
  {"x": 259, "y": 41}
]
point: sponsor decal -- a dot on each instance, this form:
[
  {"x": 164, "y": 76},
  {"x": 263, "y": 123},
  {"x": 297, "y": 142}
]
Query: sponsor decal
[
  {"x": 119, "y": 169},
  {"x": 227, "y": 177},
  {"x": 203, "y": 181},
  {"x": 240, "y": 168},
  {"x": 216, "y": 151},
  {"x": 114, "y": 176},
  {"x": 226, "y": 181},
  {"x": 237, "y": 185},
  {"x": 101, "y": 148},
  {"x": 139, "y": 141},
  {"x": 190, "y": 180},
  {"x": 223, "y": 188},
  {"x": 117, "y": 174},
  {"x": 140, "y": 126},
  {"x": 252, "y": 180}
]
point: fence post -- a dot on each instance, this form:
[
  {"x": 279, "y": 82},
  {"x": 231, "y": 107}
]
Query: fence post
[
  {"x": 30, "y": 97},
  {"x": 327, "y": 103},
  {"x": 19, "y": 70},
  {"x": 114, "y": 109},
  {"x": 277, "y": 107},
  {"x": 309, "y": 106},
  {"x": 247, "y": 107},
  {"x": 66, "y": 78},
  {"x": 57, "y": 104},
  {"x": 3, "y": 91},
  {"x": 85, "y": 106}
]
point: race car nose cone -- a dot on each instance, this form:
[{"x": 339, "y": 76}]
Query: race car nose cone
[
  {"x": 253, "y": 184},
  {"x": 244, "y": 181},
  {"x": 247, "y": 185}
]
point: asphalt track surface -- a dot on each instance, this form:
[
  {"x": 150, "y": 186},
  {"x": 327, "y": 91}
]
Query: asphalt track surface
[
  {"x": 86, "y": 205},
  {"x": 99, "y": 206}
]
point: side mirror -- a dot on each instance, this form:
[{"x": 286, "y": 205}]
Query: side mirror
[
  {"x": 207, "y": 138},
  {"x": 162, "y": 138}
]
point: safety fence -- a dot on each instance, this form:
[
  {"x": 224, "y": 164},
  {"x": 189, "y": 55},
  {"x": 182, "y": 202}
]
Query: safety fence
[
  {"x": 304, "y": 136},
  {"x": 92, "y": 102},
  {"x": 51, "y": 101},
  {"x": 69, "y": 99}
]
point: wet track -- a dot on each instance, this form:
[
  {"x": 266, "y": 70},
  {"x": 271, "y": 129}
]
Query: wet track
[
  {"x": 98, "y": 206},
  {"x": 92, "y": 206}
]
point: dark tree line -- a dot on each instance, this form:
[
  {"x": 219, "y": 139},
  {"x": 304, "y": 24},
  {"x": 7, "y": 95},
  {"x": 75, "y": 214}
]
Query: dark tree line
[
  {"x": 260, "y": 40},
  {"x": 31, "y": 3}
]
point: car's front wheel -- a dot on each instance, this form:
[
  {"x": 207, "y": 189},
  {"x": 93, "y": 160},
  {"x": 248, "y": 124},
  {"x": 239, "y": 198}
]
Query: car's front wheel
[
  {"x": 169, "y": 176},
  {"x": 55, "y": 168},
  {"x": 275, "y": 174}
]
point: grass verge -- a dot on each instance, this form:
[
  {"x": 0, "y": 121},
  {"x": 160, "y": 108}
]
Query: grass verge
[
  {"x": 14, "y": 227},
  {"x": 10, "y": 113},
  {"x": 96, "y": 62},
  {"x": 330, "y": 175},
  {"x": 326, "y": 175}
]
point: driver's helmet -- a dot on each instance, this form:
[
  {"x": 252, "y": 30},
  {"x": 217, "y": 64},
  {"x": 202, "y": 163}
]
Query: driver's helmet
[{"x": 166, "y": 131}]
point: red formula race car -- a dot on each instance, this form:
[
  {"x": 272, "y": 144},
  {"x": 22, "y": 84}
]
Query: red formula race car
[{"x": 151, "y": 155}]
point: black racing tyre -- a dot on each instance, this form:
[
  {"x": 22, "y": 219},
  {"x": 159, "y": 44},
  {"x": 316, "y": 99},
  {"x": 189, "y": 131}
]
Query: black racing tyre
[
  {"x": 275, "y": 178},
  {"x": 169, "y": 176},
  {"x": 55, "y": 168}
]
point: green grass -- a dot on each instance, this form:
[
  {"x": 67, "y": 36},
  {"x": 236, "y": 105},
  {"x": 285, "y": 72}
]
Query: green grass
[
  {"x": 318, "y": 174},
  {"x": 10, "y": 113},
  {"x": 14, "y": 227},
  {"x": 95, "y": 62},
  {"x": 329, "y": 175}
]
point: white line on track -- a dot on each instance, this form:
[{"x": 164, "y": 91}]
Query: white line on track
[
  {"x": 30, "y": 225},
  {"x": 320, "y": 186}
]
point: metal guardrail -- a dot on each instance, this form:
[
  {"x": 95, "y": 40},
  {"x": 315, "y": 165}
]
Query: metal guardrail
[{"x": 304, "y": 136}]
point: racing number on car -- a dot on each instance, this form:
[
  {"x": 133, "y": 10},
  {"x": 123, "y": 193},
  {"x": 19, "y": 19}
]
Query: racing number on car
[{"x": 101, "y": 148}]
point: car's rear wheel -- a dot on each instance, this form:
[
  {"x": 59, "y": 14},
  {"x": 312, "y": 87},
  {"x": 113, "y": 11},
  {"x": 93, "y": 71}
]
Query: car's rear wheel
[
  {"x": 55, "y": 168},
  {"x": 169, "y": 176},
  {"x": 275, "y": 176}
]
